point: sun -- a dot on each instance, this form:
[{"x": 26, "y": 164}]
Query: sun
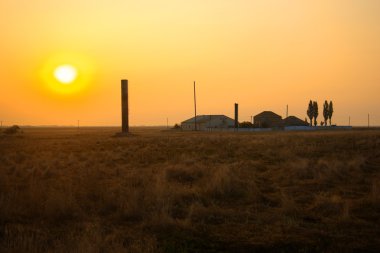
[{"x": 65, "y": 74}]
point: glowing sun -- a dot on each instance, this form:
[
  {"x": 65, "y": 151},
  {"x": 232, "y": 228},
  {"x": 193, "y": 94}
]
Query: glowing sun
[{"x": 65, "y": 74}]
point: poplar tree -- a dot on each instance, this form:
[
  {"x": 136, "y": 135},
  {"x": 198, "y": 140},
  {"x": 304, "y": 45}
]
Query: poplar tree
[
  {"x": 315, "y": 112},
  {"x": 326, "y": 111},
  {"x": 310, "y": 112},
  {"x": 331, "y": 111}
]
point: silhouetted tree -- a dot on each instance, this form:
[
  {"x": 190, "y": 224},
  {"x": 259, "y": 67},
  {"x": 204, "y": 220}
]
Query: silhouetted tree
[
  {"x": 310, "y": 112},
  {"x": 331, "y": 111},
  {"x": 326, "y": 111},
  {"x": 315, "y": 112}
]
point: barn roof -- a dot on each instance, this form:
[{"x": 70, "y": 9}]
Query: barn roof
[
  {"x": 294, "y": 121},
  {"x": 205, "y": 118},
  {"x": 268, "y": 114}
]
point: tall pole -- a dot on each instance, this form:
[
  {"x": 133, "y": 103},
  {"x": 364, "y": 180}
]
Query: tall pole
[
  {"x": 78, "y": 124},
  {"x": 287, "y": 111},
  {"x": 236, "y": 116},
  {"x": 167, "y": 123},
  {"x": 124, "y": 107},
  {"x": 349, "y": 120},
  {"x": 195, "y": 109},
  {"x": 368, "y": 120}
]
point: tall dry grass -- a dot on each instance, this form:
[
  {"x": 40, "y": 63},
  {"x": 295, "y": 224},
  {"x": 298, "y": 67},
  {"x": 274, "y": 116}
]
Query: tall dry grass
[{"x": 64, "y": 190}]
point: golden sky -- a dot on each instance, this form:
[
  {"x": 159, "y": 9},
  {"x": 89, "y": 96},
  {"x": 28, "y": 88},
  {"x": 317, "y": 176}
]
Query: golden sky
[{"x": 262, "y": 54}]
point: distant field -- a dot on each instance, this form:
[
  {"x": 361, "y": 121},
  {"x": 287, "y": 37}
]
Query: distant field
[{"x": 70, "y": 190}]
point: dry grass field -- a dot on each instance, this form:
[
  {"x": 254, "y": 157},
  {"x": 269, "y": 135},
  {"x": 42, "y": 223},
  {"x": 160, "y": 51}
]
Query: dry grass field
[{"x": 69, "y": 190}]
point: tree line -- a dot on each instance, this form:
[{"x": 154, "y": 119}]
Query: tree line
[{"x": 312, "y": 112}]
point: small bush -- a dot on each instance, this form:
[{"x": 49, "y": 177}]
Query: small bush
[
  {"x": 177, "y": 126},
  {"x": 245, "y": 124},
  {"x": 12, "y": 130}
]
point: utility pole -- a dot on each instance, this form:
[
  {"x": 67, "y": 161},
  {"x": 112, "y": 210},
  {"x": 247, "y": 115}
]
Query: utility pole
[
  {"x": 195, "y": 109},
  {"x": 167, "y": 123},
  {"x": 78, "y": 124},
  {"x": 236, "y": 117},
  {"x": 287, "y": 111},
  {"x": 349, "y": 120},
  {"x": 368, "y": 120}
]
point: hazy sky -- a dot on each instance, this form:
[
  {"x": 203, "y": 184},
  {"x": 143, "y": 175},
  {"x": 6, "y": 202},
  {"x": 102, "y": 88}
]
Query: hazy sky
[{"x": 261, "y": 54}]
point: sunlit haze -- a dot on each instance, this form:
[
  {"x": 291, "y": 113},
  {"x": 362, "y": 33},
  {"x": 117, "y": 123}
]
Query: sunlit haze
[{"x": 62, "y": 61}]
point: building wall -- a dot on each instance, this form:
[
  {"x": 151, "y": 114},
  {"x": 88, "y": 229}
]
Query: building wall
[
  {"x": 190, "y": 126},
  {"x": 220, "y": 122}
]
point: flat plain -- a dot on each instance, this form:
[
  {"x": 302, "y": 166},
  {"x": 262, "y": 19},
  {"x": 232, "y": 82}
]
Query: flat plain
[{"x": 84, "y": 190}]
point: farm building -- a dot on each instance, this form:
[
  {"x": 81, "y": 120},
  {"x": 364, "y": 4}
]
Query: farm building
[
  {"x": 206, "y": 122},
  {"x": 268, "y": 119},
  {"x": 294, "y": 121}
]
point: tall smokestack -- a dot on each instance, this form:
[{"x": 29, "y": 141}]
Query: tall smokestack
[
  {"x": 236, "y": 116},
  {"x": 124, "y": 107}
]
